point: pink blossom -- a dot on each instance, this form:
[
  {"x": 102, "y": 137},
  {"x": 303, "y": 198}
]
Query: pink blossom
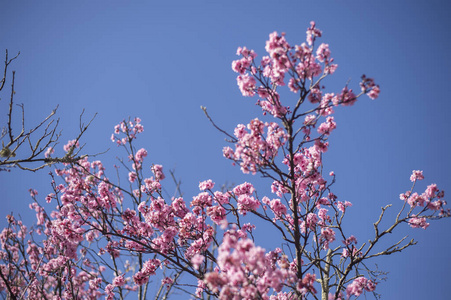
[
  {"x": 168, "y": 281},
  {"x": 109, "y": 291},
  {"x": 310, "y": 120},
  {"x": 293, "y": 85},
  {"x": 327, "y": 127},
  {"x": 240, "y": 66},
  {"x": 132, "y": 176},
  {"x": 278, "y": 208},
  {"x": 150, "y": 266},
  {"x": 158, "y": 172},
  {"x": 347, "y": 97},
  {"x": 431, "y": 191},
  {"x": 322, "y": 214},
  {"x": 305, "y": 285},
  {"x": 221, "y": 198},
  {"x": 418, "y": 222},
  {"x": 140, "y": 278},
  {"x": 374, "y": 92},
  {"x": 250, "y": 54},
  {"x": 416, "y": 175},
  {"x": 206, "y": 185},
  {"x": 217, "y": 214},
  {"x": 247, "y": 203},
  {"x": 33, "y": 192},
  {"x": 369, "y": 87},
  {"x": 228, "y": 153},
  {"x": 49, "y": 152},
  {"x": 360, "y": 284},
  {"x": 244, "y": 188},
  {"x": 215, "y": 281},
  {"x": 246, "y": 85},
  {"x": 350, "y": 240},
  {"x": 197, "y": 260},
  {"x": 312, "y": 33},
  {"x": 327, "y": 237},
  {"x": 330, "y": 68},
  {"x": 323, "y": 53},
  {"x": 140, "y": 154},
  {"x": 342, "y": 206},
  {"x": 345, "y": 252},
  {"x": 315, "y": 95},
  {"x": 416, "y": 200},
  {"x": 71, "y": 144},
  {"x": 310, "y": 222},
  {"x": 204, "y": 199}
]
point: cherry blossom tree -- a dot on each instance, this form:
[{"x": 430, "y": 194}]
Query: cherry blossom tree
[{"x": 96, "y": 236}]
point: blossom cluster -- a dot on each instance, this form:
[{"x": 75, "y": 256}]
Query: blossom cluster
[
  {"x": 253, "y": 149},
  {"x": 129, "y": 128},
  {"x": 298, "y": 63}
]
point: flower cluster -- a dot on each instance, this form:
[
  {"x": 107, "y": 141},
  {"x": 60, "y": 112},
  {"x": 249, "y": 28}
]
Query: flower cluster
[
  {"x": 253, "y": 149},
  {"x": 358, "y": 285},
  {"x": 129, "y": 128},
  {"x": 247, "y": 272}
]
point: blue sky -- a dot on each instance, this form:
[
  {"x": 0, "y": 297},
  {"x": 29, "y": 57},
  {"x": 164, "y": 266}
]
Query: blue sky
[{"x": 162, "y": 60}]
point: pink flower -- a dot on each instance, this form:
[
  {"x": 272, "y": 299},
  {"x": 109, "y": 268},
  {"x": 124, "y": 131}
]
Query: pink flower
[
  {"x": 49, "y": 152},
  {"x": 369, "y": 87},
  {"x": 197, "y": 261},
  {"x": 132, "y": 176},
  {"x": 327, "y": 127},
  {"x": 374, "y": 93},
  {"x": 244, "y": 188},
  {"x": 158, "y": 172},
  {"x": 309, "y": 223},
  {"x": 416, "y": 175},
  {"x": 345, "y": 253},
  {"x": 278, "y": 208},
  {"x": 119, "y": 280},
  {"x": 293, "y": 85},
  {"x": 71, "y": 144},
  {"x": 168, "y": 281},
  {"x": 431, "y": 191},
  {"x": 358, "y": 285},
  {"x": 217, "y": 214},
  {"x": 415, "y": 200},
  {"x": 306, "y": 284},
  {"x": 347, "y": 97},
  {"x": 417, "y": 222},
  {"x": 140, "y": 278},
  {"x": 312, "y": 33},
  {"x": 246, "y": 85},
  {"x": 315, "y": 95},
  {"x": 350, "y": 240},
  {"x": 240, "y": 66},
  {"x": 139, "y": 156},
  {"x": 33, "y": 193},
  {"x": 323, "y": 53},
  {"x": 327, "y": 237},
  {"x": 206, "y": 185},
  {"x": 221, "y": 198},
  {"x": 204, "y": 199},
  {"x": 215, "y": 281},
  {"x": 310, "y": 120},
  {"x": 247, "y": 203},
  {"x": 342, "y": 206}
]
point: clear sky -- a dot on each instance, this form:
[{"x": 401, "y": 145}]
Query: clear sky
[{"x": 162, "y": 60}]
